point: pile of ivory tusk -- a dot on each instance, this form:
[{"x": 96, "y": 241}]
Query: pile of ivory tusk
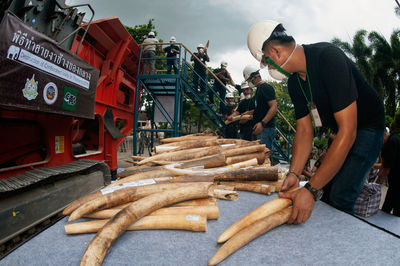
[{"x": 176, "y": 188}]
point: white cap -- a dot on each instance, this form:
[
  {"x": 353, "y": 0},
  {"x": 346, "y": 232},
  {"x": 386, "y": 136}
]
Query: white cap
[
  {"x": 151, "y": 34},
  {"x": 200, "y": 45},
  {"x": 224, "y": 63},
  {"x": 172, "y": 39}
]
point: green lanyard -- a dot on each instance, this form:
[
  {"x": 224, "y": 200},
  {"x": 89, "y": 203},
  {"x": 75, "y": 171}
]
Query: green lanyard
[{"x": 309, "y": 87}]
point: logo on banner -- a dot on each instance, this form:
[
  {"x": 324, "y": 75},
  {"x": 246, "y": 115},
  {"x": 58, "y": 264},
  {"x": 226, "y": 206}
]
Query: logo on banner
[
  {"x": 30, "y": 90},
  {"x": 50, "y": 93},
  {"x": 70, "y": 98}
]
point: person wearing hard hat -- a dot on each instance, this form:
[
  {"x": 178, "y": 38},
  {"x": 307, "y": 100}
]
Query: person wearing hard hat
[
  {"x": 224, "y": 76},
  {"x": 231, "y": 129},
  {"x": 265, "y": 106},
  {"x": 246, "y": 107},
  {"x": 200, "y": 74},
  {"x": 149, "y": 51},
  {"x": 171, "y": 52},
  {"x": 326, "y": 89}
]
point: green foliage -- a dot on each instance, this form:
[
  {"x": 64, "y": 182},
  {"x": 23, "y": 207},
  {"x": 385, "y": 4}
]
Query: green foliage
[
  {"x": 388, "y": 121},
  {"x": 140, "y": 32},
  {"x": 285, "y": 105}
]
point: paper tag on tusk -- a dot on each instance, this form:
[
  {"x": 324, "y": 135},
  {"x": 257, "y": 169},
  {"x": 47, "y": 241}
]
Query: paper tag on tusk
[
  {"x": 192, "y": 218},
  {"x": 140, "y": 183},
  {"x": 302, "y": 183},
  {"x": 228, "y": 145},
  {"x": 264, "y": 185},
  {"x": 162, "y": 178},
  {"x": 195, "y": 167}
]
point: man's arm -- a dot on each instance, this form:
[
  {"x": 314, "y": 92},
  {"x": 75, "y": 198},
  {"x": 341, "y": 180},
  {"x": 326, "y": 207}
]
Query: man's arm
[
  {"x": 303, "y": 200},
  {"x": 273, "y": 107}
]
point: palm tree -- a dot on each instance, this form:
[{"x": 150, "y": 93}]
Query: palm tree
[
  {"x": 386, "y": 62},
  {"x": 359, "y": 52}
]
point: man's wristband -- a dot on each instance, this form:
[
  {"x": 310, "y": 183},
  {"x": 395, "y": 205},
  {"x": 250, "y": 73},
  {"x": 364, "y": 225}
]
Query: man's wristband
[
  {"x": 264, "y": 124},
  {"x": 292, "y": 172}
]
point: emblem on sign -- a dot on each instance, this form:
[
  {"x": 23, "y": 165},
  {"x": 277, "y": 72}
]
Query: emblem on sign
[
  {"x": 30, "y": 90},
  {"x": 50, "y": 93}
]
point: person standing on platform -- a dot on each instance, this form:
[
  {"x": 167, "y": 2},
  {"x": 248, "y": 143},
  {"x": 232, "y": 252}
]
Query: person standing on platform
[
  {"x": 171, "y": 53},
  {"x": 326, "y": 89},
  {"x": 200, "y": 75},
  {"x": 224, "y": 76},
  {"x": 246, "y": 107},
  {"x": 231, "y": 129},
  {"x": 149, "y": 51},
  {"x": 265, "y": 106}
]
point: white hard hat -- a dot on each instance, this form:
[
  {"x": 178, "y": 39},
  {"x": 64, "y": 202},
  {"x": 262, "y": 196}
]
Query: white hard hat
[
  {"x": 172, "y": 39},
  {"x": 244, "y": 85},
  {"x": 229, "y": 95},
  {"x": 224, "y": 63},
  {"x": 248, "y": 70},
  {"x": 257, "y": 35},
  {"x": 200, "y": 45},
  {"x": 151, "y": 34}
]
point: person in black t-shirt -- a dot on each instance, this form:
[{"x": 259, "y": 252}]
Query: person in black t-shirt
[
  {"x": 171, "y": 52},
  {"x": 390, "y": 168},
  {"x": 199, "y": 68},
  {"x": 265, "y": 106},
  {"x": 231, "y": 130},
  {"x": 224, "y": 76},
  {"x": 326, "y": 89},
  {"x": 246, "y": 107}
]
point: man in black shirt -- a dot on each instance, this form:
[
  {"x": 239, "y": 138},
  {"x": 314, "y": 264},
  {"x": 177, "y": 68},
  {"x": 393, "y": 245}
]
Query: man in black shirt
[
  {"x": 265, "y": 106},
  {"x": 199, "y": 68},
  {"x": 326, "y": 89},
  {"x": 391, "y": 169},
  {"x": 224, "y": 76},
  {"x": 231, "y": 130},
  {"x": 171, "y": 52},
  {"x": 246, "y": 107}
]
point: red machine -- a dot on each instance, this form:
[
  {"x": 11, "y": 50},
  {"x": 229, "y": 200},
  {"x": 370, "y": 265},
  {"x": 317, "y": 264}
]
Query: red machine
[{"x": 61, "y": 115}]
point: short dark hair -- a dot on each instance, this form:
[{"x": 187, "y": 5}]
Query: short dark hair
[{"x": 279, "y": 34}]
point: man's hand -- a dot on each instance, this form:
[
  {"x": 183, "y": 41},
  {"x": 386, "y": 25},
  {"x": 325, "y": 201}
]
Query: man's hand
[
  {"x": 257, "y": 128},
  {"x": 291, "y": 181},
  {"x": 303, "y": 205}
]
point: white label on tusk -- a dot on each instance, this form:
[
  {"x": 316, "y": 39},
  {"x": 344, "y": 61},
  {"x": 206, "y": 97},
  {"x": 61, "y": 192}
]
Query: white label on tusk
[
  {"x": 162, "y": 178},
  {"x": 195, "y": 167},
  {"x": 173, "y": 165},
  {"x": 192, "y": 218},
  {"x": 111, "y": 189},
  {"x": 264, "y": 185},
  {"x": 140, "y": 183},
  {"x": 222, "y": 190},
  {"x": 228, "y": 145}
]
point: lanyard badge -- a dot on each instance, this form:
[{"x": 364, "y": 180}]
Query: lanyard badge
[
  {"x": 310, "y": 103},
  {"x": 314, "y": 114}
]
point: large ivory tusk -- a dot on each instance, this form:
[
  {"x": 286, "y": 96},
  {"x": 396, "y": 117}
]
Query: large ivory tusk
[
  {"x": 183, "y": 138},
  {"x": 260, "y": 156},
  {"x": 197, "y": 202},
  {"x": 211, "y": 212},
  {"x": 97, "y": 249},
  {"x": 262, "y": 211},
  {"x": 258, "y": 188},
  {"x": 244, "y": 150},
  {"x": 214, "y": 171},
  {"x": 177, "y": 222},
  {"x": 249, "y": 233},
  {"x": 120, "y": 196},
  {"x": 239, "y": 117},
  {"x": 185, "y": 145},
  {"x": 226, "y": 194}
]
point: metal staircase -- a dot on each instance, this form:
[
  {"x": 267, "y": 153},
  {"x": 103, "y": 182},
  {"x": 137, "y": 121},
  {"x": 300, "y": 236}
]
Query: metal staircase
[{"x": 166, "y": 93}]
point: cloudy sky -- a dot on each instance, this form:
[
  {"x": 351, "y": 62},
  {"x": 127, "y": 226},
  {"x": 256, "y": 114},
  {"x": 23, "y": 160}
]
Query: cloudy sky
[{"x": 226, "y": 22}]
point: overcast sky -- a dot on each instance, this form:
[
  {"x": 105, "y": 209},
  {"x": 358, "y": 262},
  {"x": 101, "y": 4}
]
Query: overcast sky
[{"x": 226, "y": 22}]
